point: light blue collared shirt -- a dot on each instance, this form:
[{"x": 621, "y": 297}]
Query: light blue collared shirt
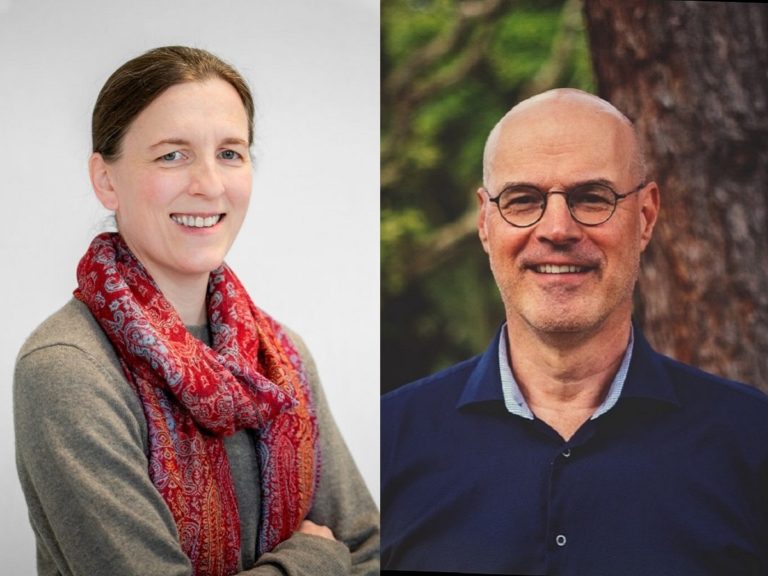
[{"x": 513, "y": 397}]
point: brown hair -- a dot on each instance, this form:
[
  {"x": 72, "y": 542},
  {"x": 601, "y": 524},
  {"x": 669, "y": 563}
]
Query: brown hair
[{"x": 134, "y": 86}]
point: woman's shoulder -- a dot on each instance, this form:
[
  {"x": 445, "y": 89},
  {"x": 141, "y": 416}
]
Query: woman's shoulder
[
  {"x": 70, "y": 326},
  {"x": 69, "y": 353},
  {"x": 68, "y": 374}
]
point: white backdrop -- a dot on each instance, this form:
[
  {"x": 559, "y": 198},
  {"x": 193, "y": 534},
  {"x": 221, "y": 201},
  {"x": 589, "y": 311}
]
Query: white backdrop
[{"x": 308, "y": 252}]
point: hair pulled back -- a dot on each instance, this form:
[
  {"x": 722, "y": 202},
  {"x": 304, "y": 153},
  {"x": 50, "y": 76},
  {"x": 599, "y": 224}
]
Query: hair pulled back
[{"x": 136, "y": 84}]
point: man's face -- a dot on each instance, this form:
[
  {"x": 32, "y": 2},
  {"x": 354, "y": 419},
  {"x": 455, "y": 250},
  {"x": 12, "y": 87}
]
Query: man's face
[{"x": 554, "y": 145}]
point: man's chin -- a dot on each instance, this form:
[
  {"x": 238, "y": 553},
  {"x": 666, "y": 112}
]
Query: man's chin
[
  {"x": 561, "y": 326},
  {"x": 554, "y": 322}
]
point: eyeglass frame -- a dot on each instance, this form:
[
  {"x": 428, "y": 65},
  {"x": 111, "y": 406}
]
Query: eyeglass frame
[{"x": 565, "y": 194}]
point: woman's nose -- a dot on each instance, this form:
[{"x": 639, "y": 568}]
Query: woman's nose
[{"x": 206, "y": 179}]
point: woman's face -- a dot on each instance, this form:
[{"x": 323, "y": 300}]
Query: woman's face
[{"x": 181, "y": 185}]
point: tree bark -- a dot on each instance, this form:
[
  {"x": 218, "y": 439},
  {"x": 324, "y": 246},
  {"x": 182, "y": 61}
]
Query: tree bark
[{"x": 693, "y": 76}]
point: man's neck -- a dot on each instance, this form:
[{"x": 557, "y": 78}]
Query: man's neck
[{"x": 565, "y": 377}]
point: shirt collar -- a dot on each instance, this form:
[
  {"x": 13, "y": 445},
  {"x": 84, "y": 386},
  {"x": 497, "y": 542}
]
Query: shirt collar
[
  {"x": 513, "y": 396},
  {"x": 646, "y": 377}
]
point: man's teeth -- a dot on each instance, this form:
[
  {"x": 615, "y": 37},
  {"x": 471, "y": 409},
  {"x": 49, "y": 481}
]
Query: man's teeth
[
  {"x": 555, "y": 269},
  {"x": 196, "y": 221}
]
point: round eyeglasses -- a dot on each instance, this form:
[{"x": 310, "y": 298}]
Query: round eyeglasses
[{"x": 590, "y": 203}]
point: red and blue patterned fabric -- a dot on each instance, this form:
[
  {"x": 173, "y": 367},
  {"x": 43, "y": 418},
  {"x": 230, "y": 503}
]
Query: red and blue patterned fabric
[{"x": 193, "y": 395}]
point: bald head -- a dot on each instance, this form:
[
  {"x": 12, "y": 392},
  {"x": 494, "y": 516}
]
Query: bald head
[{"x": 565, "y": 109}]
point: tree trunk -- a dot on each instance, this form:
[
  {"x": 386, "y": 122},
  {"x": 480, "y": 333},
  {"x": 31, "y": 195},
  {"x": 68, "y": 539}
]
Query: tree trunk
[{"x": 693, "y": 76}]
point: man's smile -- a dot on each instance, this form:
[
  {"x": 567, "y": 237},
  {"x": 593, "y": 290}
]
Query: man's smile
[{"x": 559, "y": 269}]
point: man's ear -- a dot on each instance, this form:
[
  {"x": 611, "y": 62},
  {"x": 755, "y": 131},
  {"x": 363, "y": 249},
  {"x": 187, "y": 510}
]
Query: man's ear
[
  {"x": 650, "y": 200},
  {"x": 482, "y": 231},
  {"x": 101, "y": 180}
]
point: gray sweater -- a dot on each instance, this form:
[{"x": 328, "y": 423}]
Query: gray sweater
[{"x": 82, "y": 458}]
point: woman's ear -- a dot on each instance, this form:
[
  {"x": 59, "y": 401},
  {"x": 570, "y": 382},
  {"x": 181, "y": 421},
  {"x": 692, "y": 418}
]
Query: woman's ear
[{"x": 101, "y": 180}]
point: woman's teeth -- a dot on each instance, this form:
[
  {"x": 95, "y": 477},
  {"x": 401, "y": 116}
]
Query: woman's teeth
[{"x": 196, "y": 221}]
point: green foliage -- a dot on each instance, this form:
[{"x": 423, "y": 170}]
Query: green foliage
[
  {"x": 402, "y": 233},
  {"x": 449, "y": 72},
  {"x": 521, "y": 44}
]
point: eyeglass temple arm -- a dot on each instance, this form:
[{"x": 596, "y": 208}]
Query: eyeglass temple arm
[{"x": 639, "y": 187}]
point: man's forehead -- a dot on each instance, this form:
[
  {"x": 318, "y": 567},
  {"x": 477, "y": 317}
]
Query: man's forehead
[
  {"x": 563, "y": 130},
  {"x": 562, "y": 116},
  {"x": 568, "y": 99},
  {"x": 567, "y": 123},
  {"x": 559, "y": 112}
]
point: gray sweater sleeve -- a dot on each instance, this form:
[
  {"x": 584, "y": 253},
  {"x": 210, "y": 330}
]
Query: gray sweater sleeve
[
  {"x": 343, "y": 501},
  {"x": 83, "y": 470},
  {"x": 81, "y": 456}
]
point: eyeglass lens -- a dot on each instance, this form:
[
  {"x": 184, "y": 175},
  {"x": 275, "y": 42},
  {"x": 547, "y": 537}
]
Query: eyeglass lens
[{"x": 589, "y": 204}]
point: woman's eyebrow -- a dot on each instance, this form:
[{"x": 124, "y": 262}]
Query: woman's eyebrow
[
  {"x": 174, "y": 141},
  {"x": 238, "y": 141},
  {"x": 183, "y": 142}
]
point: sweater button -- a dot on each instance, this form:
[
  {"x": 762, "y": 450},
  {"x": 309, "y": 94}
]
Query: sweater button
[
  {"x": 560, "y": 540},
  {"x": 567, "y": 452}
]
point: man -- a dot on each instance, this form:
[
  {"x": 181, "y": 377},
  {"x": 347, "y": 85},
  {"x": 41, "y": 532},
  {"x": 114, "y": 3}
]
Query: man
[{"x": 570, "y": 447}]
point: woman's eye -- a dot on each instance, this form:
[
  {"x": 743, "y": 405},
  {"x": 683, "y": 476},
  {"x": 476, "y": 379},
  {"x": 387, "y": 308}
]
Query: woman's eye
[
  {"x": 171, "y": 156},
  {"x": 229, "y": 155}
]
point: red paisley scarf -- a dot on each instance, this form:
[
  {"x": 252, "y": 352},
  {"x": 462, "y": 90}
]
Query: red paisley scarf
[{"x": 194, "y": 395}]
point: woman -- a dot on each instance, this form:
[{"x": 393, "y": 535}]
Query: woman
[{"x": 164, "y": 424}]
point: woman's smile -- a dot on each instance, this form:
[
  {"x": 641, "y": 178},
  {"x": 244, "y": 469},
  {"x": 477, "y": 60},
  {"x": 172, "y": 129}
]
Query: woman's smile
[{"x": 197, "y": 220}]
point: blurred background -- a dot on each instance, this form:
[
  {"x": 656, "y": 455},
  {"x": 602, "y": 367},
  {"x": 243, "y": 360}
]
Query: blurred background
[{"x": 693, "y": 76}]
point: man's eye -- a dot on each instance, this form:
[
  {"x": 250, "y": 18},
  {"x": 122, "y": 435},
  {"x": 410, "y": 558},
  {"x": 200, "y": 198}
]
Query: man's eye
[
  {"x": 593, "y": 199},
  {"x": 597, "y": 197},
  {"x": 523, "y": 199},
  {"x": 520, "y": 200}
]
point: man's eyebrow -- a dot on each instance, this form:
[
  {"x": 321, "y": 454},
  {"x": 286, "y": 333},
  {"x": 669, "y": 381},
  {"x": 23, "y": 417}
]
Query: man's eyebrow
[
  {"x": 519, "y": 184},
  {"x": 601, "y": 181},
  {"x": 526, "y": 184}
]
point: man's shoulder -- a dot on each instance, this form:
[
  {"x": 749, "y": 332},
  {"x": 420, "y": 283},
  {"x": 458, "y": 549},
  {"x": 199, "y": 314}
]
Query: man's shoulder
[
  {"x": 433, "y": 388},
  {"x": 694, "y": 385},
  {"x": 426, "y": 409},
  {"x": 656, "y": 377}
]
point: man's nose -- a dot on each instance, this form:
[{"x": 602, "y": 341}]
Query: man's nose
[{"x": 557, "y": 226}]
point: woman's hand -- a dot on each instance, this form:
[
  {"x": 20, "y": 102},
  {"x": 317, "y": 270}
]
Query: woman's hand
[{"x": 309, "y": 527}]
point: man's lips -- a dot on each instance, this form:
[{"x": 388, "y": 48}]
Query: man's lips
[
  {"x": 580, "y": 266},
  {"x": 560, "y": 269}
]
